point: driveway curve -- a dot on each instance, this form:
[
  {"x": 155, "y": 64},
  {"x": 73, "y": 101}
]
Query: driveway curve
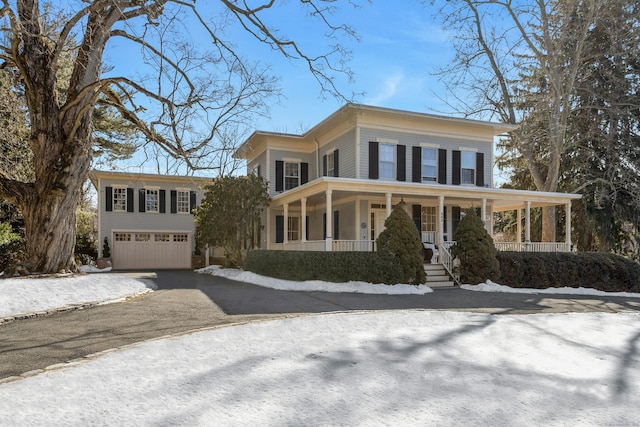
[{"x": 185, "y": 301}]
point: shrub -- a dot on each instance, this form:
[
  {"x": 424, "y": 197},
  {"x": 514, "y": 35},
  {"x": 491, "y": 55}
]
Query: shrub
[
  {"x": 12, "y": 247},
  {"x": 85, "y": 250},
  {"x": 106, "y": 250},
  {"x": 402, "y": 239},
  {"x": 475, "y": 250},
  {"x": 538, "y": 270},
  {"x": 373, "y": 267}
]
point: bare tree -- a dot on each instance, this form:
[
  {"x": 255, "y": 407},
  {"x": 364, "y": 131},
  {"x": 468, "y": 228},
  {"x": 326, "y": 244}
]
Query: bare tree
[
  {"x": 192, "y": 86},
  {"x": 521, "y": 61}
]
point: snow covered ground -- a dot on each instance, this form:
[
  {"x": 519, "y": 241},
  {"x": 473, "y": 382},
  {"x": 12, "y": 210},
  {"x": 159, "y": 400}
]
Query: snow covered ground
[
  {"x": 354, "y": 369},
  {"x": 408, "y": 367},
  {"x": 25, "y": 295}
]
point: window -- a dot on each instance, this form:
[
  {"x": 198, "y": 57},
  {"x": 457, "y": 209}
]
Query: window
[
  {"x": 162, "y": 238},
  {"x": 331, "y": 164},
  {"x": 468, "y": 167},
  {"x": 180, "y": 237},
  {"x": 291, "y": 175},
  {"x": 429, "y": 164},
  {"x": 293, "y": 228},
  {"x": 143, "y": 237},
  {"x": 182, "y": 201},
  {"x": 428, "y": 219},
  {"x": 387, "y": 161},
  {"x": 119, "y": 199},
  {"x": 122, "y": 237},
  {"x": 151, "y": 201}
]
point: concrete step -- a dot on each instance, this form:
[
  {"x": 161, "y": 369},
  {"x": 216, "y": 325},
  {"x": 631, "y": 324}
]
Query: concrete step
[
  {"x": 440, "y": 284},
  {"x": 438, "y": 277}
]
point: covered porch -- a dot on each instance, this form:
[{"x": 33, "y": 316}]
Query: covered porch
[{"x": 343, "y": 214}]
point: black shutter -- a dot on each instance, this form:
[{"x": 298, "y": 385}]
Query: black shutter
[
  {"x": 129, "y": 199},
  {"x": 108, "y": 199},
  {"x": 142, "y": 200},
  {"x": 457, "y": 159},
  {"x": 455, "y": 220},
  {"x": 480, "y": 169},
  {"x": 307, "y": 228},
  {"x": 417, "y": 217},
  {"x": 279, "y": 228},
  {"x": 304, "y": 173},
  {"x": 373, "y": 160},
  {"x": 442, "y": 166},
  {"x": 163, "y": 202},
  {"x": 174, "y": 201},
  {"x": 324, "y": 165},
  {"x": 279, "y": 175},
  {"x": 336, "y": 162},
  {"x": 192, "y": 201},
  {"x": 401, "y": 164},
  {"x": 416, "y": 164},
  {"x": 336, "y": 226}
]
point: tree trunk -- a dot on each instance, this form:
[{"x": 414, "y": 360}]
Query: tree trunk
[{"x": 549, "y": 224}]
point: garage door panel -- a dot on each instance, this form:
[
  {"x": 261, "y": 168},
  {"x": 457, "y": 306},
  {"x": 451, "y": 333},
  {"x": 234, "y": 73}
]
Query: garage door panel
[{"x": 151, "y": 250}]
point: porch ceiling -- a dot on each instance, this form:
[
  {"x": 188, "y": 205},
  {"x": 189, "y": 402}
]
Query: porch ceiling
[{"x": 500, "y": 199}]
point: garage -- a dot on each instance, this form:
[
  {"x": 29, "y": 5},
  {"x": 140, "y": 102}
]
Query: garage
[{"x": 151, "y": 250}]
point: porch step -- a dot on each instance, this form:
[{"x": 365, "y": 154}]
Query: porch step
[{"x": 437, "y": 276}]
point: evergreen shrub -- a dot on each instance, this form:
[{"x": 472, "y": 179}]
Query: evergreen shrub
[
  {"x": 12, "y": 247},
  {"x": 475, "y": 249},
  {"x": 402, "y": 239},
  {"x": 539, "y": 270},
  {"x": 372, "y": 267}
]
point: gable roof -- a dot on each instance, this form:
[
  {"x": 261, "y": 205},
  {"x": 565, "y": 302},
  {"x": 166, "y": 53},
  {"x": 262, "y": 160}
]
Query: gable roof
[{"x": 95, "y": 175}]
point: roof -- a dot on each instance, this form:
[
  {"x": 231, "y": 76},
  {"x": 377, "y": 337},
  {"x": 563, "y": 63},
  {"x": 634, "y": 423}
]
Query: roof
[
  {"x": 352, "y": 108},
  {"x": 95, "y": 175}
]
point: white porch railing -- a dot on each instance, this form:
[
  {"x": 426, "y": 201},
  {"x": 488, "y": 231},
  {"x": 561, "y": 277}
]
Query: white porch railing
[
  {"x": 533, "y": 247},
  {"x": 354, "y": 245}
]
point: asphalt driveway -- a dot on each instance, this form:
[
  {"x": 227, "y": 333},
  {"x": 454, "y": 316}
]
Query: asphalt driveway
[{"x": 186, "y": 301}]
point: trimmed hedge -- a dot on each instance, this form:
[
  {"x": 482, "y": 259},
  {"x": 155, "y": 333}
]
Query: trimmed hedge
[
  {"x": 537, "y": 270},
  {"x": 373, "y": 267}
]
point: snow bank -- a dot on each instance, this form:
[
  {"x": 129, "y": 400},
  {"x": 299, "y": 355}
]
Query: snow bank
[
  {"x": 315, "y": 285},
  {"x": 490, "y": 286},
  {"x": 27, "y": 295}
]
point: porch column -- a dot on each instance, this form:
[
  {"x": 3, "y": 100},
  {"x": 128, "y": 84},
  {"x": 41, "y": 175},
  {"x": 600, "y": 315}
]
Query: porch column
[
  {"x": 519, "y": 225},
  {"x": 286, "y": 224},
  {"x": 441, "y": 229},
  {"x": 527, "y": 226},
  {"x": 303, "y": 220},
  {"x": 483, "y": 212},
  {"x": 388, "y": 205},
  {"x": 329, "y": 230},
  {"x": 568, "y": 225}
]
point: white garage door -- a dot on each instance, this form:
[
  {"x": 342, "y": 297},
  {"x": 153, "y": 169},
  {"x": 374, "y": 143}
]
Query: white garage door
[{"x": 133, "y": 250}]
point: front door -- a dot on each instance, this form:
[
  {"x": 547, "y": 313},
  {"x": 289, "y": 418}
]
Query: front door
[{"x": 378, "y": 217}]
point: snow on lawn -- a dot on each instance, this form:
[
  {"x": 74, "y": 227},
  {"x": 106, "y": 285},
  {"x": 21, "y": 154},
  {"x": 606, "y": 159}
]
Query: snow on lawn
[
  {"x": 27, "y": 295},
  {"x": 378, "y": 368},
  {"x": 494, "y": 287},
  {"x": 314, "y": 285}
]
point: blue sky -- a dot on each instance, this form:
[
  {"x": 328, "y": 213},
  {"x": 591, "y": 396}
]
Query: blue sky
[
  {"x": 393, "y": 62},
  {"x": 399, "y": 48}
]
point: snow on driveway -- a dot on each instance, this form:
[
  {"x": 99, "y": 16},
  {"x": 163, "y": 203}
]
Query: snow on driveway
[{"x": 357, "y": 369}]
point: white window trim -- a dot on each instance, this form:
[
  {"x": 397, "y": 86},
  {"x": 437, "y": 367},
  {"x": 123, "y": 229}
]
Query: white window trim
[
  {"x": 285, "y": 176},
  {"x": 474, "y": 150},
  {"x": 387, "y": 141},
  {"x": 462, "y": 169},
  {"x": 395, "y": 162},
  {"x": 113, "y": 197},
  {"x": 331, "y": 170},
  {"x": 429, "y": 145},
  {"x": 422, "y": 165},
  {"x": 299, "y": 230},
  {"x": 146, "y": 205},
  {"x": 183, "y": 190}
]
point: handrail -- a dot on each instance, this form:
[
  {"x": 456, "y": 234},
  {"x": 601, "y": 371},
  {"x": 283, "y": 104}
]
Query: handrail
[{"x": 448, "y": 261}]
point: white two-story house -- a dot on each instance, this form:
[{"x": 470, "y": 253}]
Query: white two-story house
[
  {"x": 146, "y": 218},
  {"x": 333, "y": 187}
]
